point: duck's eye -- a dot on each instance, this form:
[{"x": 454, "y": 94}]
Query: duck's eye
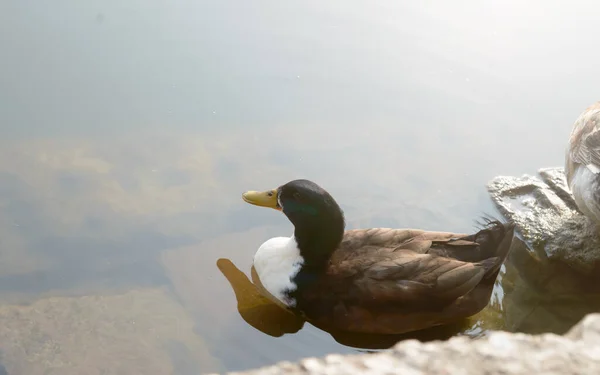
[{"x": 297, "y": 196}]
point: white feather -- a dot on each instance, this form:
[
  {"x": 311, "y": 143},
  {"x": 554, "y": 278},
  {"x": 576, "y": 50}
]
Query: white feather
[
  {"x": 277, "y": 262},
  {"x": 583, "y": 185},
  {"x": 593, "y": 168}
]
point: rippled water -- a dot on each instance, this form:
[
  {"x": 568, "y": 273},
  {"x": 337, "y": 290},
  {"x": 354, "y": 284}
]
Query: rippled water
[{"x": 130, "y": 129}]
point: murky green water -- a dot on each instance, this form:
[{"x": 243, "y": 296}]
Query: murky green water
[{"x": 129, "y": 130}]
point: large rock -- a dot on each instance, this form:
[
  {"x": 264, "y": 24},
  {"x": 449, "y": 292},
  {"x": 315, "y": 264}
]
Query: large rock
[
  {"x": 548, "y": 219},
  {"x": 578, "y": 352},
  {"x": 553, "y": 273},
  {"x": 559, "y": 251}
]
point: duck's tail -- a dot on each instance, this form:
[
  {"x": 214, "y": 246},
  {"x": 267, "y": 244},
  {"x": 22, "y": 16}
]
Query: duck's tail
[{"x": 495, "y": 240}]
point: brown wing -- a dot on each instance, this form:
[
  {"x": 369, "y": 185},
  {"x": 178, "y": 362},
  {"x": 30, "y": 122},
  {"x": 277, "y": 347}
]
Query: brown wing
[
  {"x": 584, "y": 143},
  {"x": 360, "y": 242},
  {"x": 407, "y": 276},
  {"x": 384, "y": 265}
]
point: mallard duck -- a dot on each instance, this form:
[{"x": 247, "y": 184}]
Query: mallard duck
[
  {"x": 582, "y": 162},
  {"x": 376, "y": 280}
]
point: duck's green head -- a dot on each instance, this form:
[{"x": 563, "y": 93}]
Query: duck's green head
[
  {"x": 315, "y": 214},
  {"x": 297, "y": 199}
]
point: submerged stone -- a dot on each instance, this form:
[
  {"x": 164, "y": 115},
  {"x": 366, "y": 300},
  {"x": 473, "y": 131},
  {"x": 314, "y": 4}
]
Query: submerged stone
[{"x": 142, "y": 331}]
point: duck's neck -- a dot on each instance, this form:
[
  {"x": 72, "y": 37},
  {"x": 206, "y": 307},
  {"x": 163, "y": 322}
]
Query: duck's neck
[{"x": 317, "y": 239}]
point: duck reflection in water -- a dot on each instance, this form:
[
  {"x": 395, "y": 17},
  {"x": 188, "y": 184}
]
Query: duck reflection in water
[{"x": 266, "y": 316}]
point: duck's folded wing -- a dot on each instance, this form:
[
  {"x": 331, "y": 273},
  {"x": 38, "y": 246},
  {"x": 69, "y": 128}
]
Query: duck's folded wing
[
  {"x": 588, "y": 151},
  {"x": 584, "y": 144},
  {"x": 362, "y": 242},
  {"x": 416, "y": 278}
]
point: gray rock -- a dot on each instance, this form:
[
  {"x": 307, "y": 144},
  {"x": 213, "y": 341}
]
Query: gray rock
[
  {"x": 548, "y": 220},
  {"x": 502, "y": 353},
  {"x": 552, "y": 275}
]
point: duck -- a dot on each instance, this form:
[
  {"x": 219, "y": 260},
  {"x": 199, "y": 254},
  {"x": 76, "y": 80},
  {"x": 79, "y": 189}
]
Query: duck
[
  {"x": 375, "y": 280},
  {"x": 582, "y": 162}
]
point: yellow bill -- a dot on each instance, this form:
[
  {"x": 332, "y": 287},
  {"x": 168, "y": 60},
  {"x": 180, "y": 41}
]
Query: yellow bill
[{"x": 262, "y": 198}]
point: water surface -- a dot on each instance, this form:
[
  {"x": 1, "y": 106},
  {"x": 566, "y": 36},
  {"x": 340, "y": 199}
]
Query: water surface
[{"x": 131, "y": 128}]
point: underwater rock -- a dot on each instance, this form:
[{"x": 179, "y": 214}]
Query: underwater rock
[
  {"x": 577, "y": 352},
  {"x": 140, "y": 331}
]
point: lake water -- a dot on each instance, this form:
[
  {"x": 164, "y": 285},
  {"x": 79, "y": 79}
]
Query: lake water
[{"x": 129, "y": 130}]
